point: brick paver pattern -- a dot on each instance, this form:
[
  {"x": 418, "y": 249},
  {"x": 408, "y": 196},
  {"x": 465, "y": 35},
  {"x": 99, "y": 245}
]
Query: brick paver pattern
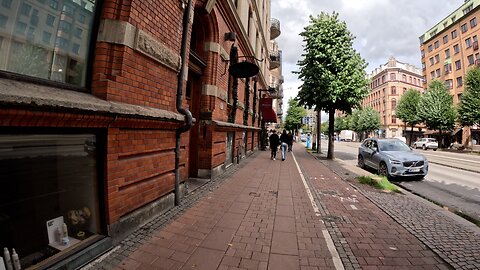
[{"x": 258, "y": 216}]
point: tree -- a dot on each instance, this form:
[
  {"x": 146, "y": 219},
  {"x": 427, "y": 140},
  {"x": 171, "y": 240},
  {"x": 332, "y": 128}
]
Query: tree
[
  {"x": 368, "y": 120},
  {"x": 407, "y": 109},
  {"x": 332, "y": 72},
  {"x": 468, "y": 108},
  {"x": 341, "y": 123},
  {"x": 295, "y": 113},
  {"x": 437, "y": 111},
  {"x": 364, "y": 121}
]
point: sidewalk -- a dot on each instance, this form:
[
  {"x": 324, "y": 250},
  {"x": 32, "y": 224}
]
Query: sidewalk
[{"x": 267, "y": 214}]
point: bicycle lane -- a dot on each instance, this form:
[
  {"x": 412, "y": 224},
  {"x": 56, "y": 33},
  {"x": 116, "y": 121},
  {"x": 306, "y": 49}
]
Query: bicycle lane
[{"x": 365, "y": 236}]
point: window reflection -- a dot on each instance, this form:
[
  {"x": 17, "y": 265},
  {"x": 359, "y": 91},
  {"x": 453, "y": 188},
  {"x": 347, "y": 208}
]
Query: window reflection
[
  {"x": 48, "y": 39},
  {"x": 47, "y": 177}
]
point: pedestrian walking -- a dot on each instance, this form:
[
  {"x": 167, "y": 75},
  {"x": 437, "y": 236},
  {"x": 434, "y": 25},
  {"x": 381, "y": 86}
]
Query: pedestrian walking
[
  {"x": 274, "y": 141},
  {"x": 290, "y": 141},
  {"x": 284, "y": 143}
]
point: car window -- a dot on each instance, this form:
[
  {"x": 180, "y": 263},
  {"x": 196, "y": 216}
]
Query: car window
[
  {"x": 374, "y": 145},
  {"x": 393, "y": 146},
  {"x": 366, "y": 143}
]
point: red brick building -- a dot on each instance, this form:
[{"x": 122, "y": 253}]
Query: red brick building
[{"x": 95, "y": 126}]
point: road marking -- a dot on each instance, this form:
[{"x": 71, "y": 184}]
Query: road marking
[
  {"x": 353, "y": 207},
  {"x": 328, "y": 238},
  {"x": 459, "y": 159}
]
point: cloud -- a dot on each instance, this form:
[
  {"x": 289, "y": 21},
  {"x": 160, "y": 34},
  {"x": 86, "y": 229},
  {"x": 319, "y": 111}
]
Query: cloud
[{"x": 382, "y": 28}]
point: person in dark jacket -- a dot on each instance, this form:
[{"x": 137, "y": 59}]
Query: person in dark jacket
[
  {"x": 284, "y": 143},
  {"x": 290, "y": 141},
  {"x": 274, "y": 141}
]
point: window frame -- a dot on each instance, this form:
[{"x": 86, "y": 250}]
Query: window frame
[
  {"x": 473, "y": 22},
  {"x": 454, "y": 34}
]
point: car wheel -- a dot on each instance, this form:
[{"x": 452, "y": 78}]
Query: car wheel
[
  {"x": 424, "y": 147},
  {"x": 361, "y": 162},
  {"x": 434, "y": 149},
  {"x": 383, "y": 170}
]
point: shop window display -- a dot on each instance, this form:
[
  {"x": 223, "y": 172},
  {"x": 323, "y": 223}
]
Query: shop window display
[{"x": 49, "y": 195}]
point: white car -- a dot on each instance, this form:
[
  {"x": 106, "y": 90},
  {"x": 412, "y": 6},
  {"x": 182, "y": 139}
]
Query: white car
[{"x": 426, "y": 143}]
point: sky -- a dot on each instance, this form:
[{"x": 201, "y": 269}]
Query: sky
[{"x": 383, "y": 28}]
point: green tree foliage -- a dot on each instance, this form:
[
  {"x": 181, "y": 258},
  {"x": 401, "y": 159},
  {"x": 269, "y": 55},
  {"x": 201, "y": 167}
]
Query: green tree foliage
[
  {"x": 295, "y": 113},
  {"x": 341, "y": 123},
  {"x": 437, "y": 110},
  {"x": 408, "y": 107},
  {"x": 364, "y": 121},
  {"x": 469, "y": 107},
  {"x": 369, "y": 120},
  {"x": 332, "y": 72}
]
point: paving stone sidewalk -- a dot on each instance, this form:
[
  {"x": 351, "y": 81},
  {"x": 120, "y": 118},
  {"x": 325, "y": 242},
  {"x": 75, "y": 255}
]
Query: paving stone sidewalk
[
  {"x": 452, "y": 238},
  {"x": 259, "y": 216}
]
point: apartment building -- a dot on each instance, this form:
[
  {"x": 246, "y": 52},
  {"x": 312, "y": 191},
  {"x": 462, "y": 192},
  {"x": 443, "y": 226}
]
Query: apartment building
[
  {"x": 109, "y": 107},
  {"x": 387, "y": 84},
  {"x": 449, "y": 49}
]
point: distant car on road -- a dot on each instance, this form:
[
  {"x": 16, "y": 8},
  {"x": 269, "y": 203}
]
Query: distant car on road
[
  {"x": 392, "y": 158},
  {"x": 426, "y": 143}
]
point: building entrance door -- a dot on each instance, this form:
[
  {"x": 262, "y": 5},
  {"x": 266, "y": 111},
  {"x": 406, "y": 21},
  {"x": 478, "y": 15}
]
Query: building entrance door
[{"x": 193, "y": 92}]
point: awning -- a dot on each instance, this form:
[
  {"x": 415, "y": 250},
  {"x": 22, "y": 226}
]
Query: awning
[{"x": 268, "y": 113}]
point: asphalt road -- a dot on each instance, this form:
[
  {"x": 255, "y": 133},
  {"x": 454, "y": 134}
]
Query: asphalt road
[{"x": 453, "y": 180}]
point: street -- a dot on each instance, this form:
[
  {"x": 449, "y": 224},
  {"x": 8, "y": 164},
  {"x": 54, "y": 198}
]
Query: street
[{"x": 453, "y": 180}]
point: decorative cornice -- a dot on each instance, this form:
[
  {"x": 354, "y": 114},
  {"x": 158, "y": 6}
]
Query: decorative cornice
[
  {"x": 240, "y": 105},
  {"x": 217, "y": 48},
  {"x": 228, "y": 125},
  {"x": 124, "y": 33},
  {"x": 213, "y": 90}
]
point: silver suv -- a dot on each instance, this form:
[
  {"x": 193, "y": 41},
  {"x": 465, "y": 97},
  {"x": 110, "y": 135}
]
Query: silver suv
[{"x": 426, "y": 143}]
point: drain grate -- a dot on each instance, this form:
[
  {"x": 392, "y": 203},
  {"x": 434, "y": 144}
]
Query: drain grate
[
  {"x": 254, "y": 194},
  {"x": 331, "y": 218},
  {"x": 275, "y": 193},
  {"x": 328, "y": 192}
]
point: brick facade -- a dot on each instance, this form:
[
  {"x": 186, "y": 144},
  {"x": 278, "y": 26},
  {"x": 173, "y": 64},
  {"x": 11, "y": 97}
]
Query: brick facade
[{"x": 131, "y": 101}]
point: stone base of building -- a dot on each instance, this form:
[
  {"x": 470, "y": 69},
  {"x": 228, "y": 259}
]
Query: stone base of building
[{"x": 130, "y": 222}]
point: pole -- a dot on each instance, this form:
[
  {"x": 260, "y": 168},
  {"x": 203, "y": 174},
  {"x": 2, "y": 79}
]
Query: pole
[{"x": 319, "y": 124}]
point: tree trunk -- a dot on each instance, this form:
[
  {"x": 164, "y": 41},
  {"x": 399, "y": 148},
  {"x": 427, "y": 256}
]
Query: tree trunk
[
  {"x": 411, "y": 136},
  {"x": 440, "y": 141},
  {"x": 331, "y": 127}
]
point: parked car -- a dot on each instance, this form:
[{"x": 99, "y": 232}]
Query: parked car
[
  {"x": 392, "y": 158},
  {"x": 426, "y": 143}
]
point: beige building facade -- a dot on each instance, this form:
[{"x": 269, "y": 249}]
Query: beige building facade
[{"x": 388, "y": 82}]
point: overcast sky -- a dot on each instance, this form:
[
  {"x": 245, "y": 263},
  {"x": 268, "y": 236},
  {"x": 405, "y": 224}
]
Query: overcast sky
[{"x": 382, "y": 28}]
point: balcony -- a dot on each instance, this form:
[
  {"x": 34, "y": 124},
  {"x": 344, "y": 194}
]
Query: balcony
[
  {"x": 275, "y": 91},
  {"x": 274, "y": 28},
  {"x": 275, "y": 59}
]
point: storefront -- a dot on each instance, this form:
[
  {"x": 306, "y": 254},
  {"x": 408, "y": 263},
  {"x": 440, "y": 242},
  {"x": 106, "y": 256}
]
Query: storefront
[{"x": 49, "y": 195}]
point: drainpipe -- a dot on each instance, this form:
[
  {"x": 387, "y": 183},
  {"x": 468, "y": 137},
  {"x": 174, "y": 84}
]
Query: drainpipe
[{"x": 180, "y": 109}]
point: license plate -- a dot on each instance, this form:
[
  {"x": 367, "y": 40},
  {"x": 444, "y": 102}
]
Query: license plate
[{"x": 414, "y": 170}]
